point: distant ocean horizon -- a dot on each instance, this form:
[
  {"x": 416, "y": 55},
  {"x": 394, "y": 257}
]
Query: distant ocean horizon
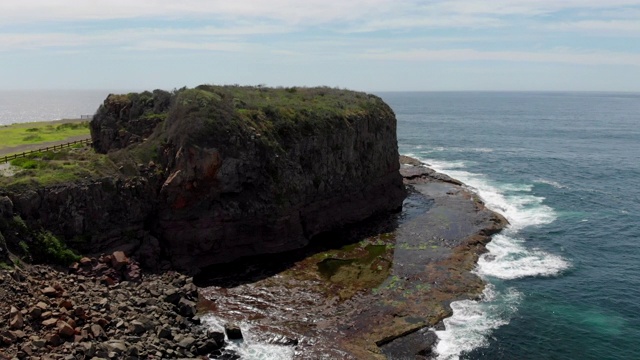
[
  {"x": 20, "y": 106},
  {"x": 564, "y": 169}
]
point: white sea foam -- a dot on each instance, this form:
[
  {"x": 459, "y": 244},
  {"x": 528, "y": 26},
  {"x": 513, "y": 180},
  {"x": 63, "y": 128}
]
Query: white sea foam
[
  {"x": 555, "y": 184},
  {"x": 249, "y": 348},
  {"x": 508, "y": 258},
  {"x": 473, "y": 321}
]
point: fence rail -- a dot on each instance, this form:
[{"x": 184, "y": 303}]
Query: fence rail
[{"x": 54, "y": 147}]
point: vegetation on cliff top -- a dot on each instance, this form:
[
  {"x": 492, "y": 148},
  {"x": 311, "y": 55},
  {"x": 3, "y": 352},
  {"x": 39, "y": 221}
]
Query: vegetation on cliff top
[
  {"x": 211, "y": 115},
  {"x": 207, "y": 115}
]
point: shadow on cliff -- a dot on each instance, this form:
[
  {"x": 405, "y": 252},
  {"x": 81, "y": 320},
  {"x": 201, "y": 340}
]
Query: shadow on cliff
[{"x": 255, "y": 268}]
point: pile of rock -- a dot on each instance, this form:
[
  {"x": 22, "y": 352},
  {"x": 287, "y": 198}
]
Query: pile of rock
[
  {"x": 110, "y": 269},
  {"x": 47, "y": 314}
]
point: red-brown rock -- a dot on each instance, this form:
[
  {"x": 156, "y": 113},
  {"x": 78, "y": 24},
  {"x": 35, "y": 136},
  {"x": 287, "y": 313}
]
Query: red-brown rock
[
  {"x": 50, "y": 292},
  {"x": 53, "y": 339},
  {"x": 49, "y": 322},
  {"x": 119, "y": 260},
  {"x": 64, "y": 329},
  {"x": 67, "y": 304},
  {"x": 16, "y": 323}
]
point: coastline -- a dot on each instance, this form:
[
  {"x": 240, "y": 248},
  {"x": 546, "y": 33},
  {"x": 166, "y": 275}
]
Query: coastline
[{"x": 375, "y": 297}]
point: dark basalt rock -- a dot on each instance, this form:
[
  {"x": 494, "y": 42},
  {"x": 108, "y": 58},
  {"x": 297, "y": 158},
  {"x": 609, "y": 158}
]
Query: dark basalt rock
[{"x": 212, "y": 174}]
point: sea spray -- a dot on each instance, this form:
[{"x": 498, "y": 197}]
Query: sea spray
[
  {"x": 508, "y": 257},
  {"x": 249, "y": 348}
]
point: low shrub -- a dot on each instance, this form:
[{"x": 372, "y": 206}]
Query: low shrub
[{"x": 50, "y": 249}]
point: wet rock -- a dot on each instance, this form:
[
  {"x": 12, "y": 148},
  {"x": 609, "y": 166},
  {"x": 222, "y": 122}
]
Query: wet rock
[
  {"x": 411, "y": 346},
  {"x": 283, "y": 341},
  {"x": 233, "y": 331},
  {"x": 207, "y": 346}
]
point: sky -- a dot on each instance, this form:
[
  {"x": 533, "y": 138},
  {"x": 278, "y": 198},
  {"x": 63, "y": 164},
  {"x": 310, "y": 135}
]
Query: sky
[{"x": 368, "y": 45}]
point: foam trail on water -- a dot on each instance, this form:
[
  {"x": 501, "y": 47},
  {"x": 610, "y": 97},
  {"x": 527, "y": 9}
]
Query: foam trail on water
[
  {"x": 472, "y": 321},
  {"x": 508, "y": 258},
  {"x": 249, "y": 348}
]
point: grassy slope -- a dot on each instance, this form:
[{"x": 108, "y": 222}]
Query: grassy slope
[
  {"x": 41, "y": 132},
  {"x": 49, "y": 167}
]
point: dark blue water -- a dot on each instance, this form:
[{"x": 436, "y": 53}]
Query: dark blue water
[{"x": 564, "y": 168}]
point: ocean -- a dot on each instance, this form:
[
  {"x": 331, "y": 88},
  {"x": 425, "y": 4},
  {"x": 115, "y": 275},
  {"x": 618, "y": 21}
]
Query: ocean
[
  {"x": 563, "y": 168},
  {"x": 22, "y": 106}
]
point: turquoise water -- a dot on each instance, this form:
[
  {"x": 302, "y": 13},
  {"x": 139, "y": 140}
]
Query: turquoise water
[{"x": 564, "y": 168}]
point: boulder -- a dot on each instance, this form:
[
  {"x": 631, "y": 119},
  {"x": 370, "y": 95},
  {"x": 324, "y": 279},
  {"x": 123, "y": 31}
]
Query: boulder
[
  {"x": 186, "y": 308},
  {"x": 233, "y": 331},
  {"x": 119, "y": 260}
]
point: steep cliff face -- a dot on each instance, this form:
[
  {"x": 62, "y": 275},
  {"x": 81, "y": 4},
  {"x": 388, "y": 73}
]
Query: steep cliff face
[
  {"x": 216, "y": 173},
  {"x": 270, "y": 181}
]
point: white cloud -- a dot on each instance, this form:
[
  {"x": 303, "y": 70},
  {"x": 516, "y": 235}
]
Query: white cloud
[
  {"x": 182, "y": 45},
  {"x": 619, "y": 27},
  {"x": 285, "y": 11},
  {"x": 307, "y": 12},
  {"x": 559, "y": 56},
  {"x": 139, "y": 38}
]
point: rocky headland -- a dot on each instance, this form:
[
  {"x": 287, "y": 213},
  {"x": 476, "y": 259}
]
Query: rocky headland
[{"x": 291, "y": 206}]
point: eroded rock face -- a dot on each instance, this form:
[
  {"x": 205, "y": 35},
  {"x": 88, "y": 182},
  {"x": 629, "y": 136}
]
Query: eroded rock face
[
  {"x": 229, "y": 172},
  {"x": 219, "y": 205}
]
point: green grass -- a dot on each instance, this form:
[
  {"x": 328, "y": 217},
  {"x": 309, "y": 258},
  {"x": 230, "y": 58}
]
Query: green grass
[
  {"x": 39, "y": 132},
  {"x": 54, "y": 167}
]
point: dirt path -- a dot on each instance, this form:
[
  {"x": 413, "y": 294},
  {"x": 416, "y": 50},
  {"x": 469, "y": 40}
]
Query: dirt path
[{"x": 42, "y": 145}]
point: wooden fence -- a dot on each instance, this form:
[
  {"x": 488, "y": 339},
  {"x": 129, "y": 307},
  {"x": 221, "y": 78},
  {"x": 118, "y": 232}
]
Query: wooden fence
[{"x": 54, "y": 147}]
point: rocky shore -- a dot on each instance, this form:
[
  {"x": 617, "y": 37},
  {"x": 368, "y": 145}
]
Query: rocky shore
[
  {"x": 101, "y": 308},
  {"x": 363, "y": 292}
]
